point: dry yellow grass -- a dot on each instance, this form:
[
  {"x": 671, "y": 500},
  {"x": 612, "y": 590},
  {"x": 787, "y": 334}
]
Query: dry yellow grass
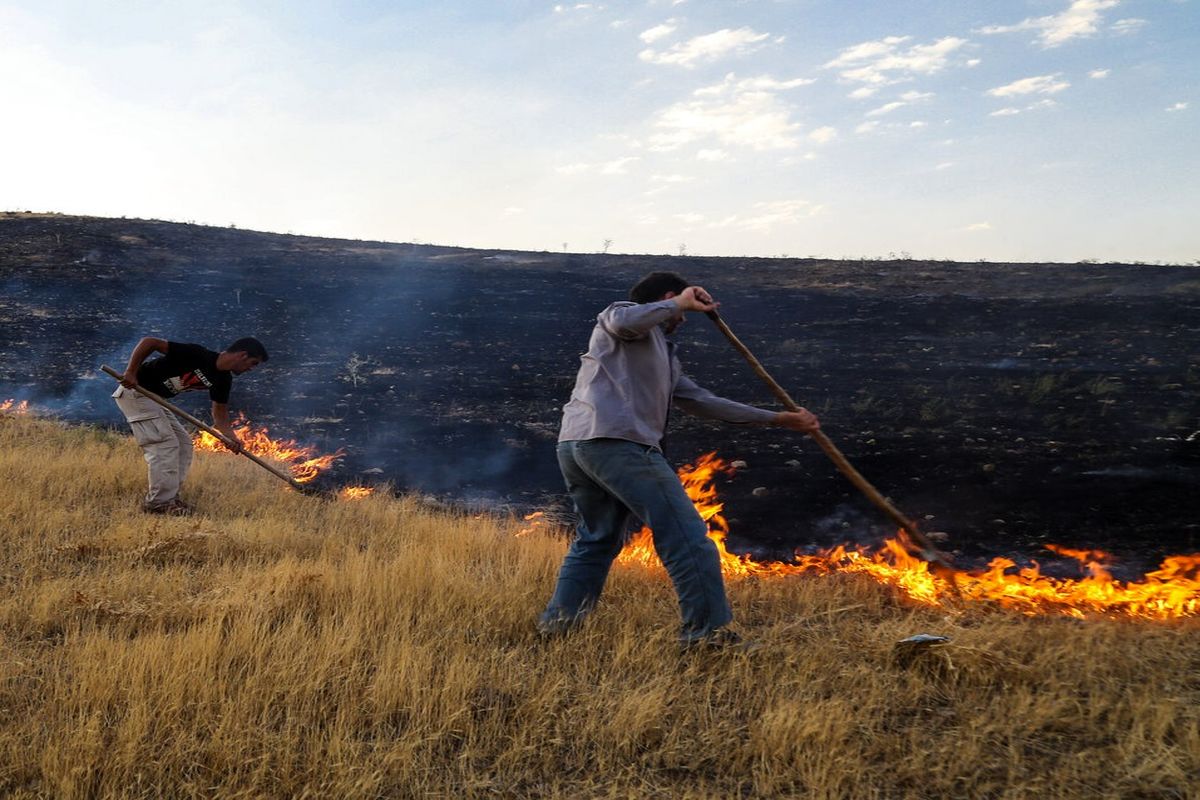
[{"x": 285, "y": 646}]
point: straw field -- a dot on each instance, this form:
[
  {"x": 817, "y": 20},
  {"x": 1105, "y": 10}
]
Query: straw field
[{"x": 278, "y": 645}]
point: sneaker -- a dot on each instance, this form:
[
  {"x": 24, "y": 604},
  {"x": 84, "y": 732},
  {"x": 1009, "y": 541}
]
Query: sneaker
[
  {"x": 171, "y": 508},
  {"x": 555, "y": 626},
  {"x": 721, "y": 640}
]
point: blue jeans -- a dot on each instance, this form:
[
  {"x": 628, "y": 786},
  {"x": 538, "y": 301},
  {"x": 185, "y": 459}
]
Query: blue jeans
[{"x": 608, "y": 480}]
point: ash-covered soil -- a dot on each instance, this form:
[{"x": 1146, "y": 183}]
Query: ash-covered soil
[{"x": 1006, "y": 404}]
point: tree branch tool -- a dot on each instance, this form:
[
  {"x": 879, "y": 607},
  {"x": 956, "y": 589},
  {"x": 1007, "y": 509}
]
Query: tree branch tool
[
  {"x": 939, "y": 562},
  {"x": 221, "y": 437}
]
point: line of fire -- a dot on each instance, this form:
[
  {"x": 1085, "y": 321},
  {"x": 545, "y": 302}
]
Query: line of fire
[{"x": 1170, "y": 592}]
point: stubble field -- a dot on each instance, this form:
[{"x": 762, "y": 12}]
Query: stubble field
[{"x": 278, "y": 645}]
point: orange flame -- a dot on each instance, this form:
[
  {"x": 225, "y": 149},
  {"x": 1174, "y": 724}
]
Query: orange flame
[
  {"x": 301, "y": 460},
  {"x": 15, "y": 408},
  {"x": 539, "y": 521},
  {"x": 1172, "y": 591},
  {"x": 355, "y": 492}
]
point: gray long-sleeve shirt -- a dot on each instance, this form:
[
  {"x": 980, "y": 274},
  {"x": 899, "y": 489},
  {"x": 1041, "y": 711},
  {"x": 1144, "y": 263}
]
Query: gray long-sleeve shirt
[{"x": 629, "y": 377}]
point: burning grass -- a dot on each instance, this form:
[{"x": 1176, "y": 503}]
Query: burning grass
[
  {"x": 279, "y": 645},
  {"x": 302, "y": 461},
  {"x": 14, "y": 408},
  {"x": 1169, "y": 592}
]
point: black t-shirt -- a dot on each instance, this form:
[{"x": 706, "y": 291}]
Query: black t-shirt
[{"x": 186, "y": 368}]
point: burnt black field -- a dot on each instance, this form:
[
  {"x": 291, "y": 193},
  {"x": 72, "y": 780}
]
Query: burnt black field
[{"x": 1008, "y": 405}]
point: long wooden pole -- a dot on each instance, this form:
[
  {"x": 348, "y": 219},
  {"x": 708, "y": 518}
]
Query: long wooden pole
[
  {"x": 927, "y": 550},
  {"x": 179, "y": 412}
]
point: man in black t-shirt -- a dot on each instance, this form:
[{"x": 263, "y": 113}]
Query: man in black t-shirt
[{"x": 166, "y": 446}]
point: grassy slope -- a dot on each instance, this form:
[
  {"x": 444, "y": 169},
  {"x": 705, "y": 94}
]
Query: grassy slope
[{"x": 279, "y": 645}]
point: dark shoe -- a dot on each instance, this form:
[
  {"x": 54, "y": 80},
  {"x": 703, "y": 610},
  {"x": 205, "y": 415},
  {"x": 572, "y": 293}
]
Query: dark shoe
[
  {"x": 555, "y": 626},
  {"x": 171, "y": 508},
  {"x": 721, "y": 640}
]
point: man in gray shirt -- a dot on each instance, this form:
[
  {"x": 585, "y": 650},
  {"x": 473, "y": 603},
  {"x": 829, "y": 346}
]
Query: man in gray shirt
[{"x": 610, "y": 453}]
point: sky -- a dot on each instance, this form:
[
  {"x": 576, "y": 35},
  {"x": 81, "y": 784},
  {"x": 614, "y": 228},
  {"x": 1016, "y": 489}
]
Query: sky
[{"x": 1005, "y": 130}]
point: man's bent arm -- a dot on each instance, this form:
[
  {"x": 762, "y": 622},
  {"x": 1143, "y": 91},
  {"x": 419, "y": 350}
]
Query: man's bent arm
[
  {"x": 141, "y": 352},
  {"x": 700, "y": 402},
  {"x": 220, "y": 414},
  {"x": 635, "y": 320}
]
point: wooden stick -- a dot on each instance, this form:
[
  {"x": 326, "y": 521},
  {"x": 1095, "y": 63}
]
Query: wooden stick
[
  {"x": 225, "y": 440},
  {"x": 927, "y": 550}
]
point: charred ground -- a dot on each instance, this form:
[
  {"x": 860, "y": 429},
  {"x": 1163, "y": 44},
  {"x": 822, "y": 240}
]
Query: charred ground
[{"x": 1008, "y": 404}]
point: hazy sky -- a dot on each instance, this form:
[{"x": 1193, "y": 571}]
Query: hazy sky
[{"x": 1007, "y": 129}]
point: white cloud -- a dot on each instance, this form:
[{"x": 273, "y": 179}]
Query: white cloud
[
  {"x": 866, "y": 127},
  {"x": 652, "y": 35},
  {"x": 1099, "y": 73},
  {"x": 905, "y": 99},
  {"x": 578, "y": 168},
  {"x": 689, "y": 219},
  {"x": 886, "y": 108},
  {"x": 979, "y": 226},
  {"x": 823, "y": 135},
  {"x": 1036, "y": 105},
  {"x": 1044, "y": 103},
  {"x": 918, "y": 124},
  {"x": 1124, "y": 27},
  {"x": 746, "y": 113},
  {"x": 513, "y": 211},
  {"x": 769, "y": 215},
  {"x": 1082, "y": 18},
  {"x": 862, "y": 92},
  {"x": 766, "y": 83},
  {"x": 1177, "y": 107},
  {"x": 1039, "y": 84},
  {"x": 709, "y": 47},
  {"x": 750, "y": 120},
  {"x": 883, "y": 62},
  {"x": 618, "y": 166},
  {"x": 867, "y": 51},
  {"x": 944, "y": 165},
  {"x": 663, "y": 183},
  {"x": 974, "y": 62},
  {"x": 713, "y": 154}
]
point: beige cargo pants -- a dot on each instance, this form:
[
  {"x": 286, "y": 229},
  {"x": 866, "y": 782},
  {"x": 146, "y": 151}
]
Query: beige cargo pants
[{"x": 166, "y": 446}]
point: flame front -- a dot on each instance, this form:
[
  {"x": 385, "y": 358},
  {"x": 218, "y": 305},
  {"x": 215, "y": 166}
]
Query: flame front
[
  {"x": 13, "y": 407},
  {"x": 355, "y": 492},
  {"x": 301, "y": 460},
  {"x": 538, "y": 520},
  {"x": 1171, "y": 591}
]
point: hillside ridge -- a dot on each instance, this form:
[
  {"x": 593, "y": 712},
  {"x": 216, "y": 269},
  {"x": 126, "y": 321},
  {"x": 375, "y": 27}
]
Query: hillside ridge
[{"x": 1008, "y": 405}]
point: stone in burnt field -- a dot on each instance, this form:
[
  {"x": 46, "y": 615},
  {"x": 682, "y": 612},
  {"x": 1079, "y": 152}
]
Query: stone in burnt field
[{"x": 1008, "y": 404}]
